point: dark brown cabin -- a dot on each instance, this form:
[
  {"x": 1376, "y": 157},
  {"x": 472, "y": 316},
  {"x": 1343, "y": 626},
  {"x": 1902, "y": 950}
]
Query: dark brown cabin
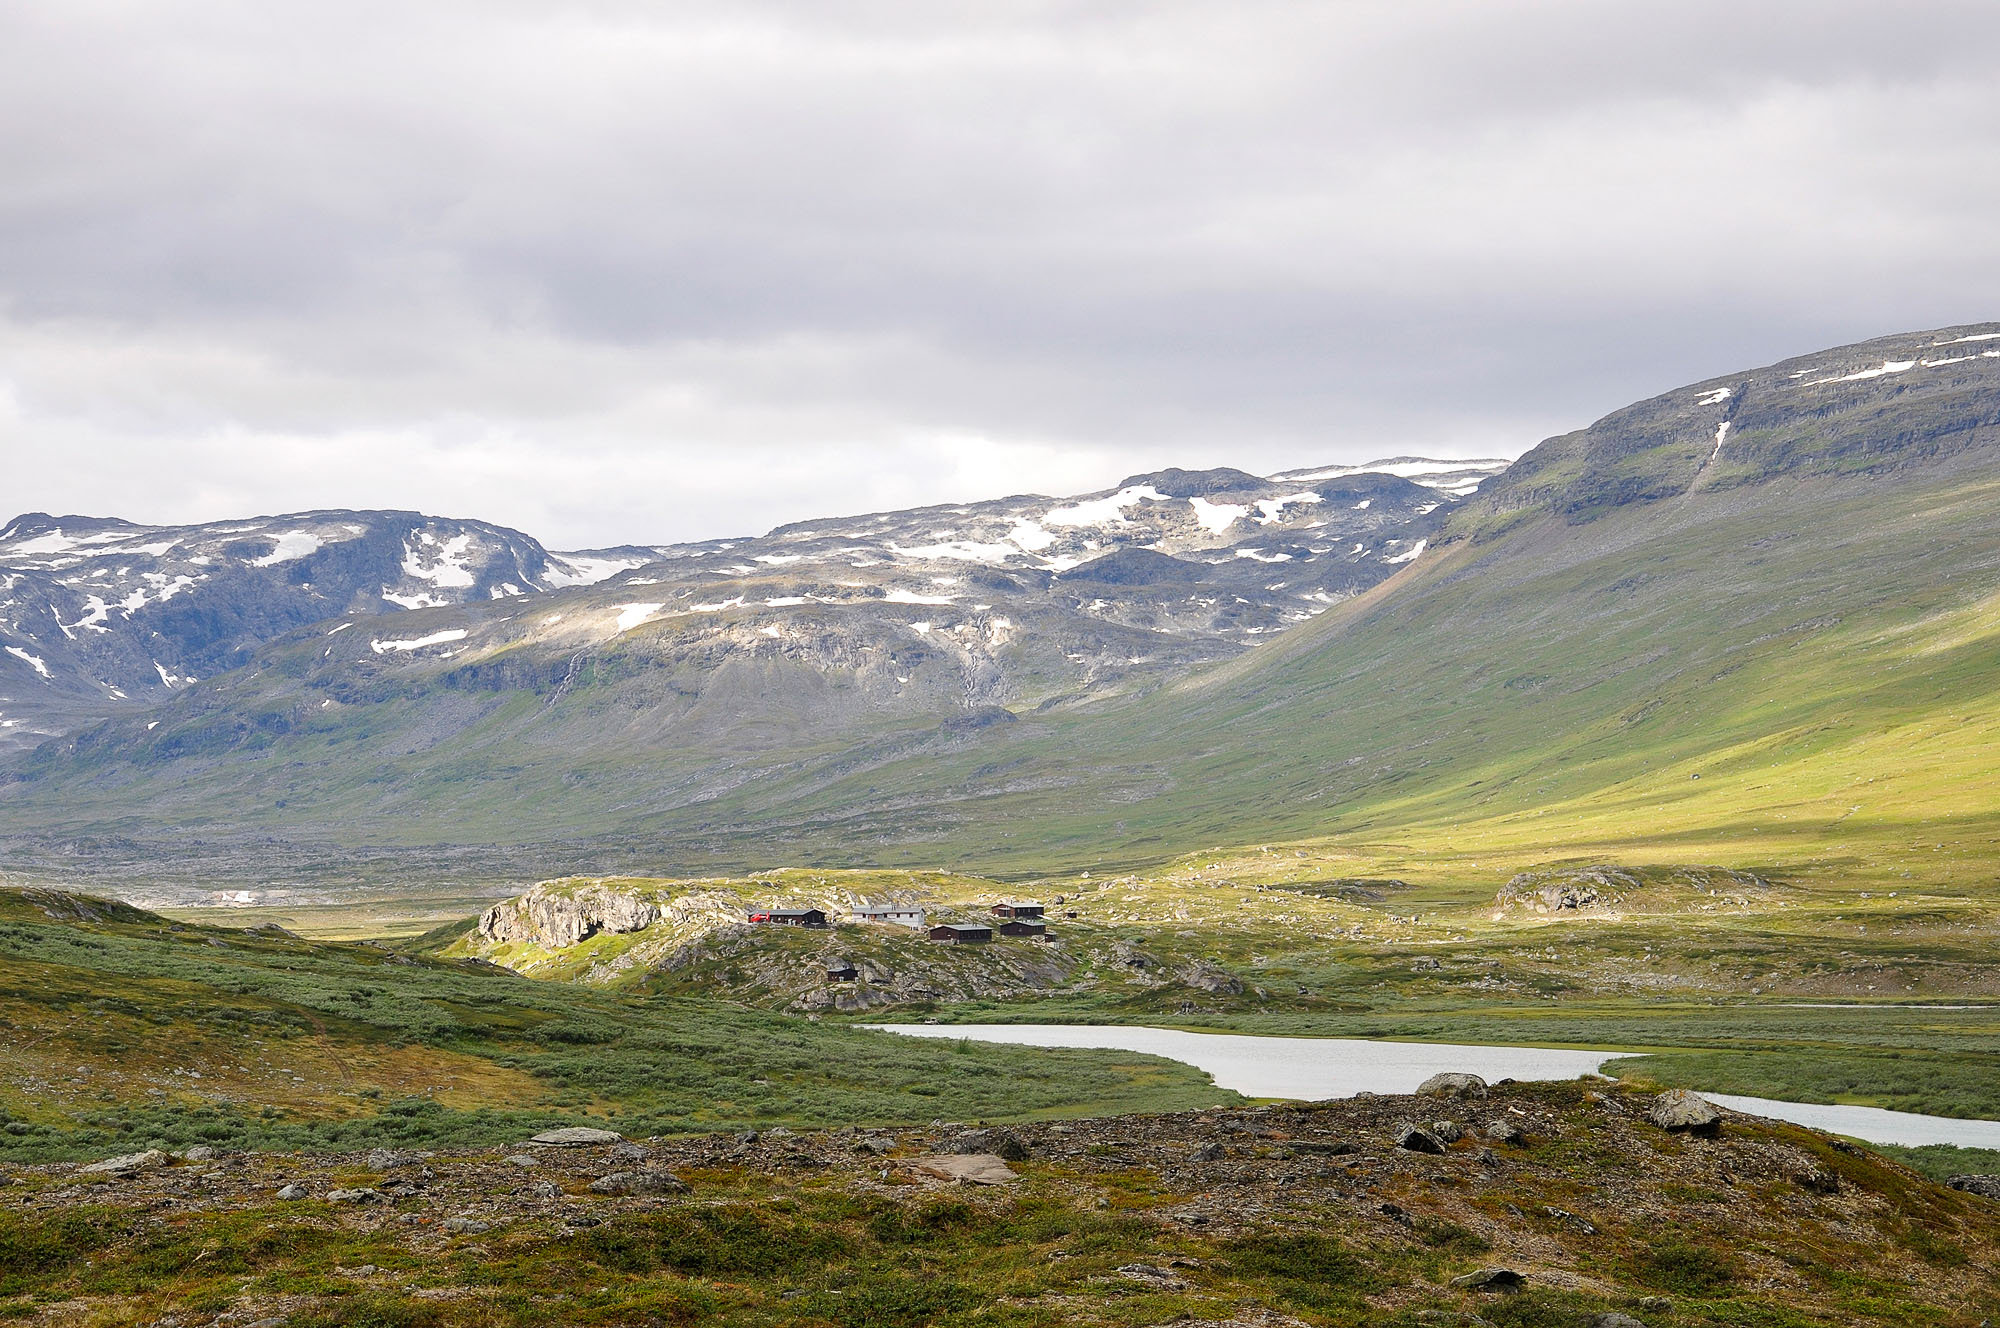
[
  {"x": 1038, "y": 931},
  {"x": 952, "y": 933},
  {"x": 840, "y": 970},
  {"x": 790, "y": 917},
  {"x": 1017, "y": 910}
]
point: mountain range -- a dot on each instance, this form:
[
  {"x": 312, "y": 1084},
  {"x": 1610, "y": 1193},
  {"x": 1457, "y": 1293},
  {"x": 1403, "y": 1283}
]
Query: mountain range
[{"x": 1712, "y": 614}]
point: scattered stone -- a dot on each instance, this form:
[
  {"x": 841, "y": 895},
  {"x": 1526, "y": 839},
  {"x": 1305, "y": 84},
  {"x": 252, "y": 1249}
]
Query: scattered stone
[
  {"x": 1158, "y": 1278},
  {"x": 1656, "y": 1304},
  {"x": 1504, "y": 1131},
  {"x": 522, "y": 1159},
  {"x": 128, "y": 1164},
  {"x": 1453, "y": 1084},
  {"x": 1397, "y": 1213},
  {"x": 1210, "y": 1152},
  {"x": 1002, "y": 1144},
  {"x": 1613, "y": 1319},
  {"x": 1447, "y": 1131},
  {"x": 1679, "y": 1110},
  {"x": 576, "y": 1136},
  {"x": 199, "y": 1153},
  {"x": 1573, "y": 1220},
  {"x": 1816, "y": 1181},
  {"x": 747, "y": 1138},
  {"x": 545, "y": 1189},
  {"x": 1986, "y": 1187},
  {"x": 966, "y": 1168},
  {"x": 1321, "y": 1147},
  {"x": 629, "y": 1153},
  {"x": 653, "y": 1181},
  {"x": 353, "y": 1196},
  {"x": 388, "y": 1159},
  {"x": 292, "y": 1192},
  {"x": 1416, "y": 1139},
  {"x": 466, "y": 1226},
  {"x": 399, "y": 1187},
  {"x": 874, "y": 1145},
  {"x": 1490, "y": 1279}
]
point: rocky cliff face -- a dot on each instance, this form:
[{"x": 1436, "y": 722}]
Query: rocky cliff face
[{"x": 556, "y": 918}]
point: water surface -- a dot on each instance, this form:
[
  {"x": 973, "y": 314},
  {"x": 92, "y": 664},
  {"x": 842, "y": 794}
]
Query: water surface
[{"x": 1313, "y": 1068}]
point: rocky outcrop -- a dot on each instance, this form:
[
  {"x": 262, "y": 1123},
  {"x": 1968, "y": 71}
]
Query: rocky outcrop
[
  {"x": 1567, "y": 890},
  {"x": 556, "y": 918}
]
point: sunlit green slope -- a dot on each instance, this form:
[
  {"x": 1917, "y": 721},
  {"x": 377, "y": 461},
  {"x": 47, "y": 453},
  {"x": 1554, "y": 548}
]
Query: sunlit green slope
[{"x": 1777, "y": 641}]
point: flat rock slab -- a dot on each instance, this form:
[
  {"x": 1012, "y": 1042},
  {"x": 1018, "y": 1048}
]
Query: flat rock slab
[
  {"x": 1490, "y": 1279},
  {"x": 150, "y": 1160},
  {"x": 966, "y": 1168},
  {"x": 576, "y": 1136}
]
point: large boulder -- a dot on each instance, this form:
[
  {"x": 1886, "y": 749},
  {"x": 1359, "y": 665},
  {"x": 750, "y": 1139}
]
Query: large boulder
[
  {"x": 1683, "y": 1111},
  {"x": 1003, "y": 1144},
  {"x": 1986, "y": 1187},
  {"x": 650, "y": 1181},
  {"x": 1453, "y": 1084}
]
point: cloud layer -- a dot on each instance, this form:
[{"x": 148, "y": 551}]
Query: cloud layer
[{"x": 610, "y": 273}]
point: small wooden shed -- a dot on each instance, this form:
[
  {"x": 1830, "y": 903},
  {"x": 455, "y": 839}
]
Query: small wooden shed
[
  {"x": 1022, "y": 927},
  {"x": 954, "y": 933}
]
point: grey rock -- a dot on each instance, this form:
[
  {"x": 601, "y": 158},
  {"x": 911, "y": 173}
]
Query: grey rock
[
  {"x": 1504, "y": 1131},
  {"x": 639, "y": 1182},
  {"x": 1679, "y": 1110},
  {"x": 1453, "y": 1084},
  {"x": 522, "y": 1160},
  {"x": 545, "y": 1189},
  {"x": 1447, "y": 1131},
  {"x": 292, "y": 1192},
  {"x": 466, "y": 1226},
  {"x": 967, "y": 1169},
  {"x": 1613, "y": 1319},
  {"x": 198, "y": 1153},
  {"x": 388, "y": 1159},
  {"x": 576, "y": 1136},
  {"x": 129, "y": 1164},
  {"x": 1001, "y": 1143},
  {"x": 1490, "y": 1279},
  {"x": 559, "y": 917},
  {"x": 874, "y": 1145},
  {"x": 1416, "y": 1139},
  {"x": 1986, "y": 1187},
  {"x": 1210, "y": 1152},
  {"x": 1158, "y": 1278},
  {"x": 354, "y": 1196}
]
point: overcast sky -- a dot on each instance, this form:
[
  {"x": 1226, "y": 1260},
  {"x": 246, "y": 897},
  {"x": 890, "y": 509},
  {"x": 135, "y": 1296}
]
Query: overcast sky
[{"x": 614, "y": 272}]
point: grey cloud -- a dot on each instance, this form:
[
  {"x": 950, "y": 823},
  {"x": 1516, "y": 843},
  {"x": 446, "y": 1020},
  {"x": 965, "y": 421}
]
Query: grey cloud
[{"x": 638, "y": 272}]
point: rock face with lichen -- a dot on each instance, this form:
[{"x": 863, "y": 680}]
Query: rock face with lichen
[{"x": 556, "y": 919}]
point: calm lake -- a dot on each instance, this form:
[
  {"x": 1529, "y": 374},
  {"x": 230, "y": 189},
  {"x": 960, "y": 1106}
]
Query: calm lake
[{"x": 1314, "y": 1068}]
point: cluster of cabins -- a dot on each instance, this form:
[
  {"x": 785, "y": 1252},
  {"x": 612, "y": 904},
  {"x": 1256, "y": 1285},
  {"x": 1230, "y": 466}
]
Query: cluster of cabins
[{"x": 1022, "y": 920}]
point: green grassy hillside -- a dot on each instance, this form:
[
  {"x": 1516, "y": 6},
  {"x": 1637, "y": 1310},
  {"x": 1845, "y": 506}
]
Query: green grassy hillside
[
  {"x": 1773, "y": 646},
  {"x": 119, "y": 1028}
]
